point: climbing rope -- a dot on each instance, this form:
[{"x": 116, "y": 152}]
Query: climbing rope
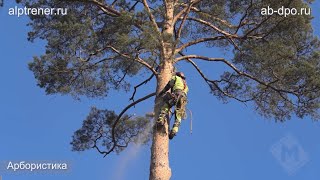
[{"x": 190, "y": 120}]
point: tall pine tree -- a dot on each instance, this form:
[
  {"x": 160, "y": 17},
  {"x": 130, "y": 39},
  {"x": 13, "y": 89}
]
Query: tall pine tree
[{"x": 92, "y": 50}]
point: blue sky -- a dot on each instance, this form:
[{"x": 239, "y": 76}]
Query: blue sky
[{"x": 229, "y": 141}]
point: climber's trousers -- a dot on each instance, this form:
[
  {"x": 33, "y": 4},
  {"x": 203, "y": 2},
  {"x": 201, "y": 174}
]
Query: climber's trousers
[{"x": 179, "y": 102}]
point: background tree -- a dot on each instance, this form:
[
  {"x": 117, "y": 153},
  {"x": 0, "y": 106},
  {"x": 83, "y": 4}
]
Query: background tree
[{"x": 274, "y": 64}]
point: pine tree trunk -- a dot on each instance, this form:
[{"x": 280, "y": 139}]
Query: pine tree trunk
[{"x": 159, "y": 166}]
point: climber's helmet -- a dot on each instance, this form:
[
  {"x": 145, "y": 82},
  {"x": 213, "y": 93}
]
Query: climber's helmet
[{"x": 180, "y": 74}]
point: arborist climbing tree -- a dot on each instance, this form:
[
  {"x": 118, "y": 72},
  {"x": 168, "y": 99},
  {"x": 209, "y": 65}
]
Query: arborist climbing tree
[{"x": 176, "y": 97}]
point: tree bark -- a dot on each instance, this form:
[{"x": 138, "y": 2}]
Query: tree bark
[{"x": 159, "y": 166}]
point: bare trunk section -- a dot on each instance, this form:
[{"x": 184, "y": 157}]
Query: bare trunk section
[{"x": 159, "y": 166}]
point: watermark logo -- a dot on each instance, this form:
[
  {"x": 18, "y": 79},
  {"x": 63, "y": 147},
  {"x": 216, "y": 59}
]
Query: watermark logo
[
  {"x": 34, "y": 167},
  {"x": 285, "y": 11},
  {"x": 290, "y": 154},
  {"x": 20, "y": 11}
]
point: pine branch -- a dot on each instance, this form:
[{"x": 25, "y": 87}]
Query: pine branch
[
  {"x": 196, "y": 10},
  {"x": 208, "y": 24},
  {"x": 243, "y": 17},
  {"x": 137, "y": 59},
  {"x": 151, "y": 17},
  {"x": 215, "y": 84},
  {"x": 239, "y": 72},
  {"x": 215, "y": 38},
  {"x": 197, "y": 41},
  {"x": 140, "y": 84},
  {"x": 185, "y": 10},
  {"x": 225, "y": 34},
  {"x": 114, "y": 141},
  {"x": 103, "y": 7},
  {"x": 184, "y": 20}
]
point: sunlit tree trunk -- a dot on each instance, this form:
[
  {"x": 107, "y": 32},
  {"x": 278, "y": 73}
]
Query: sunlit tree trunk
[{"x": 159, "y": 167}]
